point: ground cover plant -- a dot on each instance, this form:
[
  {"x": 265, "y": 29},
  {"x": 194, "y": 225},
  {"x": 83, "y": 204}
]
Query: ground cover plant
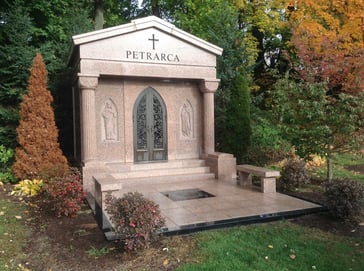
[
  {"x": 6, "y": 159},
  {"x": 28, "y": 188}
]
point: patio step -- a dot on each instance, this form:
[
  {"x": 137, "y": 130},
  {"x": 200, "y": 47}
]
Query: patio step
[
  {"x": 127, "y": 175},
  {"x": 147, "y": 173},
  {"x": 148, "y": 170},
  {"x": 122, "y": 167},
  {"x": 166, "y": 179}
]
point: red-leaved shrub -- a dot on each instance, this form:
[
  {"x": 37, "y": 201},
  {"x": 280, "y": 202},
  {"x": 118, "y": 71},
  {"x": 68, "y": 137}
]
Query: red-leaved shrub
[
  {"x": 345, "y": 199},
  {"x": 136, "y": 219},
  {"x": 64, "y": 195},
  {"x": 293, "y": 175}
]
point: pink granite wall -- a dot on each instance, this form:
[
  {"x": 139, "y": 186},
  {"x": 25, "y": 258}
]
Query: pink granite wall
[{"x": 119, "y": 94}]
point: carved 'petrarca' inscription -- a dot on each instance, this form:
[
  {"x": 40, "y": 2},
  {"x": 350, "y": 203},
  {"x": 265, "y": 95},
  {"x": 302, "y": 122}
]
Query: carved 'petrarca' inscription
[{"x": 152, "y": 56}]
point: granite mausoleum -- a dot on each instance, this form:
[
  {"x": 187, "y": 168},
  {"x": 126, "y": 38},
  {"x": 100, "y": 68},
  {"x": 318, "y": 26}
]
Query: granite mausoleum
[
  {"x": 143, "y": 98},
  {"x": 144, "y": 107}
]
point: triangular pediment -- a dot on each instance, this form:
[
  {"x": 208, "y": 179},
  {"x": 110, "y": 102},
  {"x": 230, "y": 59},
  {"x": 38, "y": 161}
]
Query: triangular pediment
[
  {"x": 148, "y": 47},
  {"x": 142, "y": 26}
]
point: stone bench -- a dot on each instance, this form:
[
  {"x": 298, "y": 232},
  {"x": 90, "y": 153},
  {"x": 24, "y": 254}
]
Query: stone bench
[{"x": 267, "y": 177}]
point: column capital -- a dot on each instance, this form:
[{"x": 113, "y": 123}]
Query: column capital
[
  {"x": 88, "y": 81},
  {"x": 209, "y": 85}
]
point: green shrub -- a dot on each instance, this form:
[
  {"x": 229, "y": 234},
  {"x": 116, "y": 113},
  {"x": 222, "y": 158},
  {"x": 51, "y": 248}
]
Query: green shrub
[
  {"x": 6, "y": 159},
  {"x": 136, "y": 219},
  {"x": 345, "y": 198},
  {"x": 293, "y": 174},
  {"x": 267, "y": 144},
  {"x": 64, "y": 195}
]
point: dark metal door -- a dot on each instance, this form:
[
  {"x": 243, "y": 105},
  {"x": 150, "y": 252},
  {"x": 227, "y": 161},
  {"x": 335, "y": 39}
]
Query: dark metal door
[{"x": 150, "y": 127}]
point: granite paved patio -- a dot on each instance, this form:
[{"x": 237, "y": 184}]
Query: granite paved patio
[{"x": 230, "y": 205}]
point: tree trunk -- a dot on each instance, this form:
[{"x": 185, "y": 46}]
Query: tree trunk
[
  {"x": 99, "y": 15},
  {"x": 156, "y": 8},
  {"x": 329, "y": 165}
]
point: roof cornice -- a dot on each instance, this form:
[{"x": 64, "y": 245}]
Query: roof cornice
[{"x": 145, "y": 23}]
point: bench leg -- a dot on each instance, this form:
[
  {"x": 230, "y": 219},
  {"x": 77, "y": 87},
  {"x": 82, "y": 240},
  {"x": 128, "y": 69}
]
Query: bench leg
[
  {"x": 245, "y": 179},
  {"x": 268, "y": 185}
]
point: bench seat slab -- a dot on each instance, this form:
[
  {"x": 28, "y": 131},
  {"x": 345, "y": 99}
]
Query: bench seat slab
[{"x": 267, "y": 177}]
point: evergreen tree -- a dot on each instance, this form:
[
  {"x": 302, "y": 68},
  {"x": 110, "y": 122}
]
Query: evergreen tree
[
  {"x": 39, "y": 152},
  {"x": 16, "y": 53},
  {"x": 217, "y": 21},
  {"x": 237, "y": 126},
  {"x": 25, "y": 28}
]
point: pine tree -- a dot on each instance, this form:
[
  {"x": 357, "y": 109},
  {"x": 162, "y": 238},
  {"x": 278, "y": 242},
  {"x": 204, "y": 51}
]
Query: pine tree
[
  {"x": 39, "y": 153},
  {"x": 16, "y": 54}
]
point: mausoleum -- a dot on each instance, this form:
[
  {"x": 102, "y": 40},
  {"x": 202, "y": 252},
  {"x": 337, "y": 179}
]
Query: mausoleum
[
  {"x": 144, "y": 106},
  {"x": 143, "y": 99}
]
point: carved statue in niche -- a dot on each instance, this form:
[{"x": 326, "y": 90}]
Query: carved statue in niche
[
  {"x": 109, "y": 116},
  {"x": 187, "y": 120}
]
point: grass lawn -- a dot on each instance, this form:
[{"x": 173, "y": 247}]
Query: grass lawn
[
  {"x": 276, "y": 246},
  {"x": 340, "y": 163},
  {"x": 13, "y": 234}
]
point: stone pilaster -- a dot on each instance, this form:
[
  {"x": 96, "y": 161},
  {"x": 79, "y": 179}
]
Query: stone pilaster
[
  {"x": 209, "y": 87},
  {"x": 88, "y": 85}
]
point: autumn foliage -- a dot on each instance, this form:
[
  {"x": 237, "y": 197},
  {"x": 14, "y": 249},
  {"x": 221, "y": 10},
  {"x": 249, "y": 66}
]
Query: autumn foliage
[
  {"x": 329, "y": 40},
  {"x": 38, "y": 153},
  {"x": 64, "y": 195},
  {"x": 136, "y": 220}
]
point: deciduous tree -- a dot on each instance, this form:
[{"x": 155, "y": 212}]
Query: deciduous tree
[
  {"x": 266, "y": 33},
  {"x": 318, "y": 123},
  {"x": 327, "y": 37}
]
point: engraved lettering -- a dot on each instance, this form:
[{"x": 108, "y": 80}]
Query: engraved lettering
[
  {"x": 151, "y": 56},
  {"x": 135, "y": 55},
  {"x": 163, "y": 57},
  {"x": 170, "y": 57}
]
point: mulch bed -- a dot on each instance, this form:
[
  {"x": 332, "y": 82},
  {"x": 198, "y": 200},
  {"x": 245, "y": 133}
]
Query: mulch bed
[{"x": 77, "y": 244}]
